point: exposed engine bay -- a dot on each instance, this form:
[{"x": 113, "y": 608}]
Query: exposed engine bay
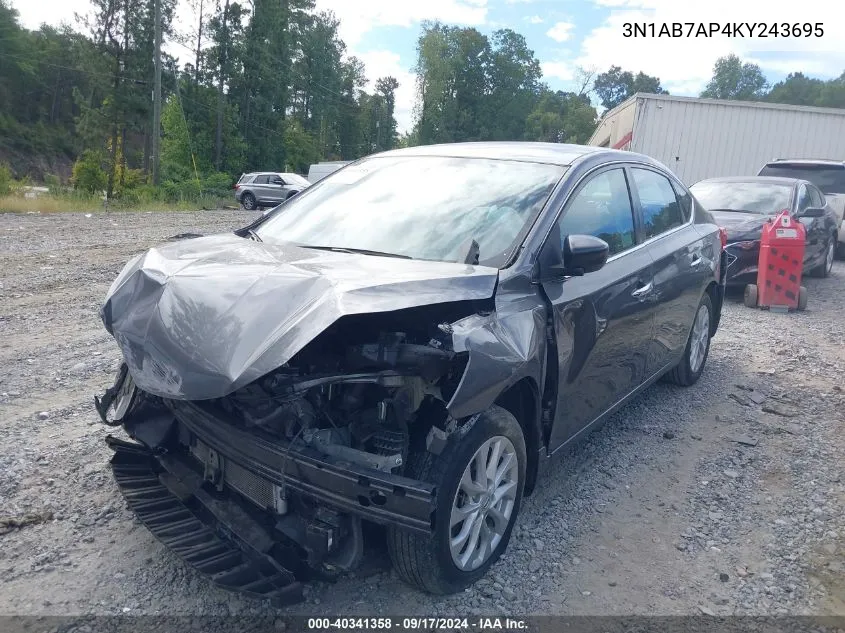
[
  {"x": 364, "y": 394},
  {"x": 360, "y": 392}
]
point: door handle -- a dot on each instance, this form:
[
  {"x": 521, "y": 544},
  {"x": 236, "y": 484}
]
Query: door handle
[
  {"x": 642, "y": 291},
  {"x": 696, "y": 260}
]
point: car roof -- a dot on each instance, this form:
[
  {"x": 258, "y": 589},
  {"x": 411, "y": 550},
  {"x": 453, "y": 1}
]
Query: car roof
[
  {"x": 772, "y": 180},
  {"x": 806, "y": 161},
  {"x": 552, "y": 153}
]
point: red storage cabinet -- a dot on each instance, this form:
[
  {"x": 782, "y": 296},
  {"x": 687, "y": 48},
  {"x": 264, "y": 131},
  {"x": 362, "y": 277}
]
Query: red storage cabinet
[{"x": 780, "y": 265}]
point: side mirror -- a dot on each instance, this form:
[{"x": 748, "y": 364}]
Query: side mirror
[
  {"x": 812, "y": 212},
  {"x": 584, "y": 254}
]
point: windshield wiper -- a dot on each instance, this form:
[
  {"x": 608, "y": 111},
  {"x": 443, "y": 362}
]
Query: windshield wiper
[
  {"x": 359, "y": 251},
  {"x": 469, "y": 253}
]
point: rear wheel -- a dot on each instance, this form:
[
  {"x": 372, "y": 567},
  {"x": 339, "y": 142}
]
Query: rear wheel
[
  {"x": 823, "y": 269},
  {"x": 480, "y": 476},
  {"x": 248, "y": 201},
  {"x": 688, "y": 371}
]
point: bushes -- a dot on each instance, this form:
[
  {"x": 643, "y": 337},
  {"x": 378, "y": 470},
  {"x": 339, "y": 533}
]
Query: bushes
[
  {"x": 88, "y": 173},
  {"x": 5, "y": 179}
]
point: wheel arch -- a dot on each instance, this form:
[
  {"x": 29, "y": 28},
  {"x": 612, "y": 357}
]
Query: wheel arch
[
  {"x": 716, "y": 298},
  {"x": 522, "y": 400}
]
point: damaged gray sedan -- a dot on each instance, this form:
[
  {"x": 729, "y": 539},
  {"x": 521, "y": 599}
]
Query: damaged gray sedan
[{"x": 404, "y": 345}]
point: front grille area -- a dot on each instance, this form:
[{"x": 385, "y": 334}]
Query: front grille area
[{"x": 257, "y": 490}]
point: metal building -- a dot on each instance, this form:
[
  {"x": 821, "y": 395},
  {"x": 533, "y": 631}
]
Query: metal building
[{"x": 707, "y": 138}]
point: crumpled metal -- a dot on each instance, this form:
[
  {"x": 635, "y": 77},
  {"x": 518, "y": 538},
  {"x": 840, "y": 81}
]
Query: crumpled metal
[{"x": 201, "y": 318}]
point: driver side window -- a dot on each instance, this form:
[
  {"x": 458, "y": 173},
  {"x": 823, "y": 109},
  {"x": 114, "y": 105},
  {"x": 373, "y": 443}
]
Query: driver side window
[{"x": 602, "y": 208}]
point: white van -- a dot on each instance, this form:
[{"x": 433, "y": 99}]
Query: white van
[{"x": 319, "y": 171}]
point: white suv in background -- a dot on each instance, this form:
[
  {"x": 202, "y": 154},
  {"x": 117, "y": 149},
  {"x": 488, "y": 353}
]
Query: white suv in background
[
  {"x": 827, "y": 175},
  {"x": 267, "y": 188}
]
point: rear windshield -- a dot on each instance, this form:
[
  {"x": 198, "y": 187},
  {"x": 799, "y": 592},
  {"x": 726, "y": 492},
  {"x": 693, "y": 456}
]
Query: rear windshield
[
  {"x": 245, "y": 178},
  {"x": 828, "y": 178},
  {"x": 742, "y": 197}
]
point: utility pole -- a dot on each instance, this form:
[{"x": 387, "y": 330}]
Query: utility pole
[{"x": 157, "y": 94}]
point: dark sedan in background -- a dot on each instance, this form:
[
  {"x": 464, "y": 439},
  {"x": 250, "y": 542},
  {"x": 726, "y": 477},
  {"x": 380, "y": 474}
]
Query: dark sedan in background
[
  {"x": 404, "y": 343},
  {"x": 743, "y": 205}
]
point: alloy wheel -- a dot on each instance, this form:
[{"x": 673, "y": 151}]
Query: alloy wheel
[
  {"x": 699, "y": 338},
  {"x": 483, "y": 503}
]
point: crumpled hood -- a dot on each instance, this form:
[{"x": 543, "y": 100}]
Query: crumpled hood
[
  {"x": 201, "y": 318},
  {"x": 739, "y": 225}
]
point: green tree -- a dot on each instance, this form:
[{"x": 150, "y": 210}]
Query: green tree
[
  {"x": 832, "y": 93},
  {"x": 734, "y": 80},
  {"x": 514, "y": 83},
  {"x": 615, "y": 86},
  {"x": 300, "y": 146},
  {"x": 452, "y": 85},
  {"x": 796, "y": 89},
  {"x": 561, "y": 117}
]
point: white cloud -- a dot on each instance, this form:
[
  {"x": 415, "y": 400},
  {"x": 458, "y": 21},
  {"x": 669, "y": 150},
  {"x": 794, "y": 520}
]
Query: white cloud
[
  {"x": 359, "y": 17},
  {"x": 381, "y": 63},
  {"x": 685, "y": 64},
  {"x": 561, "y": 31},
  {"x": 534, "y": 19},
  {"x": 53, "y": 12},
  {"x": 558, "y": 70}
]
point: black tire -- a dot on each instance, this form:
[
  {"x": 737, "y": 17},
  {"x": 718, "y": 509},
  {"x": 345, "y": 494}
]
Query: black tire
[
  {"x": 683, "y": 374},
  {"x": 823, "y": 269},
  {"x": 425, "y": 562},
  {"x": 248, "y": 201},
  {"x": 750, "y": 296}
]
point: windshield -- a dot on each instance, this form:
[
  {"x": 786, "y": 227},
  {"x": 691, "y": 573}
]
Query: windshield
[
  {"x": 425, "y": 207},
  {"x": 830, "y": 179},
  {"x": 749, "y": 197},
  {"x": 295, "y": 179}
]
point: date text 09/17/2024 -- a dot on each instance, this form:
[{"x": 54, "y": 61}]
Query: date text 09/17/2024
[
  {"x": 479, "y": 623},
  {"x": 729, "y": 29}
]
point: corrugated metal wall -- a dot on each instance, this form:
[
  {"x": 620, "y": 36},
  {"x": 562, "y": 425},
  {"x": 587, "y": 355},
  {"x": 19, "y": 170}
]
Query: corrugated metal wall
[{"x": 701, "y": 139}]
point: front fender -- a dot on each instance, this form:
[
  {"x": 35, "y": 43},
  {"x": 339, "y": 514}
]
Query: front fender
[{"x": 503, "y": 347}]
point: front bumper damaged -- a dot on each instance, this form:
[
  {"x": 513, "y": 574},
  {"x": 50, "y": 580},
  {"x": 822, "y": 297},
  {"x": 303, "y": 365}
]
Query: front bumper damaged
[{"x": 218, "y": 496}]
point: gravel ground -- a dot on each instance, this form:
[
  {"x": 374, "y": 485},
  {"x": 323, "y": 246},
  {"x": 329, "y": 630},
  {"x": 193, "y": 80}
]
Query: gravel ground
[{"x": 724, "y": 498}]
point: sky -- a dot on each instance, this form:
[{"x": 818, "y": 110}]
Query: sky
[{"x": 565, "y": 35}]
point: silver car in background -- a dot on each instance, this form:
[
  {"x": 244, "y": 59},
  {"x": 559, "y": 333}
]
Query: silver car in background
[{"x": 267, "y": 188}]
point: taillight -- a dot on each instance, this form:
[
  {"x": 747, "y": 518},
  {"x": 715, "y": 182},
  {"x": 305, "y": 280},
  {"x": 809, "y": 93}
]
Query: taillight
[
  {"x": 236, "y": 187},
  {"x": 723, "y": 235}
]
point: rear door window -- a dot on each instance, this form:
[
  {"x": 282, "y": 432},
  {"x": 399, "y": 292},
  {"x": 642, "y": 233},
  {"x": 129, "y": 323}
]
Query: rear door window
[
  {"x": 262, "y": 180},
  {"x": 685, "y": 200},
  {"x": 661, "y": 211}
]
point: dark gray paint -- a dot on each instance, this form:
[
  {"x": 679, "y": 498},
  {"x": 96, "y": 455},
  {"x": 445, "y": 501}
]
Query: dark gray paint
[{"x": 217, "y": 313}]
